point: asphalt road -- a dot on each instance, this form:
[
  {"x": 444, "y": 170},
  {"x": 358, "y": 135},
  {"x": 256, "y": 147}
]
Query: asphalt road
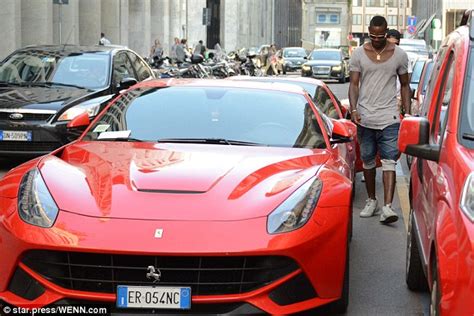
[{"x": 377, "y": 253}]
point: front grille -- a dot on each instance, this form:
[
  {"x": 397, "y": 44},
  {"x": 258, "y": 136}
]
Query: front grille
[
  {"x": 205, "y": 275},
  {"x": 27, "y": 116},
  {"x": 321, "y": 70},
  {"x": 11, "y": 146}
]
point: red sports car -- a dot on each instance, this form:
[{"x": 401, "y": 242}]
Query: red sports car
[{"x": 206, "y": 196}]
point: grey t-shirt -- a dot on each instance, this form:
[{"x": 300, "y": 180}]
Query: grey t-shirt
[{"x": 377, "y": 104}]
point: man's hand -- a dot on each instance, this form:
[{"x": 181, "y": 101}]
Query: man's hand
[{"x": 355, "y": 117}]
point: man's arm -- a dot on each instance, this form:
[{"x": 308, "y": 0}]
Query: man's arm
[
  {"x": 354, "y": 95},
  {"x": 405, "y": 93}
]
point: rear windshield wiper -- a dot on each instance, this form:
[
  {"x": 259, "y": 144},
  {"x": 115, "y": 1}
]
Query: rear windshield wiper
[
  {"x": 52, "y": 83},
  {"x": 468, "y": 136},
  {"x": 217, "y": 141}
]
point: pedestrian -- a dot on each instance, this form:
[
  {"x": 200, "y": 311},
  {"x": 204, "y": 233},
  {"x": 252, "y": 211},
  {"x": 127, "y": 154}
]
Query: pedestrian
[
  {"x": 374, "y": 69},
  {"x": 173, "y": 50},
  {"x": 181, "y": 52},
  {"x": 393, "y": 36},
  {"x": 156, "y": 51},
  {"x": 200, "y": 48},
  {"x": 103, "y": 40},
  {"x": 271, "y": 60}
]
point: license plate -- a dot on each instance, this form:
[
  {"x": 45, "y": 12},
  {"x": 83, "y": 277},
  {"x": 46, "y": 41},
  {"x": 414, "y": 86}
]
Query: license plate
[
  {"x": 24, "y": 136},
  {"x": 153, "y": 297},
  {"x": 322, "y": 71}
]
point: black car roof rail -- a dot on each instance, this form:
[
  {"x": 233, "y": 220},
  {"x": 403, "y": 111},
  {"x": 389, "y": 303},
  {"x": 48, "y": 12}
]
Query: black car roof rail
[{"x": 467, "y": 20}]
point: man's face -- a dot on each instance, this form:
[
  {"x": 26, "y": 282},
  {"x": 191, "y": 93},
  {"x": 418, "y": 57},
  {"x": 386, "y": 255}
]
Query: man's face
[
  {"x": 377, "y": 35},
  {"x": 393, "y": 40}
]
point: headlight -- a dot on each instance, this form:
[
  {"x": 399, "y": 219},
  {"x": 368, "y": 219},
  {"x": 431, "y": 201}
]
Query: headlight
[
  {"x": 295, "y": 211},
  {"x": 92, "y": 107},
  {"x": 467, "y": 197},
  {"x": 306, "y": 67},
  {"x": 35, "y": 204},
  {"x": 337, "y": 68}
]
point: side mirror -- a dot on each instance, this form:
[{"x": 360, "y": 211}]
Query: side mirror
[
  {"x": 82, "y": 120},
  {"x": 413, "y": 94},
  {"x": 126, "y": 83},
  {"x": 414, "y": 139},
  {"x": 341, "y": 132}
]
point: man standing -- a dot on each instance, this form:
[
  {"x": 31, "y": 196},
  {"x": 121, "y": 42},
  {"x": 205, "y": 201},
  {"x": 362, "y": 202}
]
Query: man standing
[
  {"x": 103, "y": 40},
  {"x": 374, "y": 68}
]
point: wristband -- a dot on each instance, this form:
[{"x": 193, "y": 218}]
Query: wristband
[{"x": 353, "y": 111}]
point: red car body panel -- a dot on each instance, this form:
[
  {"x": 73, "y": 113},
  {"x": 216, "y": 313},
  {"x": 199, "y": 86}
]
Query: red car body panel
[
  {"x": 445, "y": 234},
  {"x": 209, "y": 201}
]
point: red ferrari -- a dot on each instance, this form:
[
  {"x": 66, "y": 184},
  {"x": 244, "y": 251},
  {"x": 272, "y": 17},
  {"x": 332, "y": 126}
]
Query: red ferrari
[{"x": 186, "y": 196}]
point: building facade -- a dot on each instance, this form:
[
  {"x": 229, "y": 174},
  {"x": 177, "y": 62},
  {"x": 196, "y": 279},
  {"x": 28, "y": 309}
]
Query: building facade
[
  {"x": 396, "y": 12},
  {"x": 326, "y": 23},
  {"x": 137, "y": 23}
]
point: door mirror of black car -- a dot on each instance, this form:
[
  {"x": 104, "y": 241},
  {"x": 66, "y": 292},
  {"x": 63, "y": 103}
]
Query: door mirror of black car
[
  {"x": 126, "y": 83},
  {"x": 82, "y": 120}
]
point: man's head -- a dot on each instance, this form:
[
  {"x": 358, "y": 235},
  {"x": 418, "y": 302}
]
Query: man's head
[
  {"x": 393, "y": 36},
  {"x": 102, "y": 34},
  {"x": 378, "y": 31},
  {"x": 200, "y": 42}
]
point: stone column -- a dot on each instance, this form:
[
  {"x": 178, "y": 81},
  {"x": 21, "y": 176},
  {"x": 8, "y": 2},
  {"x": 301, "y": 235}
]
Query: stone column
[
  {"x": 160, "y": 23},
  {"x": 11, "y": 27},
  {"x": 110, "y": 20},
  {"x": 197, "y": 31},
  {"x": 174, "y": 20},
  {"x": 68, "y": 14},
  {"x": 89, "y": 22},
  {"x": 139, "y": 26},
  {"x": 229, "y": 25},
  {"x": 124, "y": 22},
  {"x": 36, "y": 22}
]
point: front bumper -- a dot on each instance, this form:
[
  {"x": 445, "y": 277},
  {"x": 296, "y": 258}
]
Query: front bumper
[
  {"x": 318, "y": 251},
  {"x": 45, "y": 137},
  {"x": 322, "y": 73}
]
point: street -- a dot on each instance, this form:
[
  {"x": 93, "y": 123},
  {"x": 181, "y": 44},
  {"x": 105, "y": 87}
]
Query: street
[{"x": 377, "y": 253}]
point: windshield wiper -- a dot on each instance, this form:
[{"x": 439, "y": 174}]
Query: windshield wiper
[
  {"x": 468, "y": 136},
  {"x": 217, "y": 141},
  {"x": 119, "y": 139},
  {"x": 52, "y": 83}
]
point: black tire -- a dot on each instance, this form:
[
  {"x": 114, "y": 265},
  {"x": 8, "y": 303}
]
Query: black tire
[
  {"x": 415, "y": 276},
  {"x": 343, "y": 79},
  {"x": 435, "y": 293}
]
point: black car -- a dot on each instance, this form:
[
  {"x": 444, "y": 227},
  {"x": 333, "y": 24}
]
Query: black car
[
  {"x": 42, "y": 88},
  {"x": 327, "y": 63},
  {"x": 294, "y": 58}
]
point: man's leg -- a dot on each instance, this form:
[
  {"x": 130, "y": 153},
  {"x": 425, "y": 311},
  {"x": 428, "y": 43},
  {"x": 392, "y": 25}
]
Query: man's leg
[
  {"x": 388, "y": 148},
  {"x": 368, "y": 149}
]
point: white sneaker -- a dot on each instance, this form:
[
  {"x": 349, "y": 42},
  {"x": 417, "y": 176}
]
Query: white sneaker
[
  {"x": 388, "y": 215},
  {"x": 369, "y": 209}
]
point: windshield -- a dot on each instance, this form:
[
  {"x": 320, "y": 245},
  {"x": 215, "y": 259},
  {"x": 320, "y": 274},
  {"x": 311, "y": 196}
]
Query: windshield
[
  {"x": 325, "y": 55},
  {"x": 87, "y": 70},
  {"x": 294, "y": 53},
  {"x": 417, "y": 69},
  {"x": 267, "y": 118},
  {"x": 467, "y": 111}
]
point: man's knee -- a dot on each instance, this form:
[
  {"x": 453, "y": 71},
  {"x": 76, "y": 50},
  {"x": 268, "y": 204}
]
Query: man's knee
[
  {"x": 369, "y": 164},
  {"x": 388, "y": 164}
]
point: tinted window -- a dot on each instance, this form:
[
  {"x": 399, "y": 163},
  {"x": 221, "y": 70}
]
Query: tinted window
[
  {"x": 122, "y": 68},
  {"x": 268, "y": 118},
  {"x": 324, "y": 102},
  {"x": 429, "y": 68},
  {"x": 417, "y": 69},
  {"x": 289, "y": 52},
  {"x": 325, "y": 55},
  {"x": 89, "y": 70}
]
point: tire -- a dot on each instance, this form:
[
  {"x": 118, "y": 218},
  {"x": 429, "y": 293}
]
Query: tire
[
  {"x": 435, "y": 293},
  {"x": 414, "y": 276}
]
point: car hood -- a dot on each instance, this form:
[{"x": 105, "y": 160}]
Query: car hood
[
  {"x": 176, "y": 181},
  {"x": 323, "y": 63},
  {"x": 39, "y": 98}
]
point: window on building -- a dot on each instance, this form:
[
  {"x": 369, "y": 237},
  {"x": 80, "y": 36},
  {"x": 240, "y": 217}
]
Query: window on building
[
  {"x": 392, "y": 20},
  {"x": 368, "y": 17},
  {"x": 328, "y": 17},
  {"x": 356, "y": 3},
  {"x": 356, "y": 19},
  {"x": 392, "y": 3},
  {"x": 375, "y": 3}
]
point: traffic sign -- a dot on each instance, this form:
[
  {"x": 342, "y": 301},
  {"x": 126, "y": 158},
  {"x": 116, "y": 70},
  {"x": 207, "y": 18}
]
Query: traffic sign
[
  {"x": 411, "y": 29},
  {"x": 411, "y": 20}
]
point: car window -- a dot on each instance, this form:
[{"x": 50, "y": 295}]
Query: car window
[
  {"x": 88, "y": 70},
  {"x": 140, "y": 68},
  {"x": 269, "y": 118},
  {"x": 325, "y": 55},
  {"x": 466, "y": 127},
  {"x": 288, "y": 52},
  {"x": 122, "y": 68},
  {"x": 417, "y": 69},
  {"x": 432, "y": 81},
  {"x": 324, "y": 102},
  {"x": 429, "y": 68},
  {"x": 443, "y": 102}
]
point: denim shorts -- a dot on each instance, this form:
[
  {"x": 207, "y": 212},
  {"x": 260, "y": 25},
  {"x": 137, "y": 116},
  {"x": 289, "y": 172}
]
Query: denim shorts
[{"x": 384, "y": 140}]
